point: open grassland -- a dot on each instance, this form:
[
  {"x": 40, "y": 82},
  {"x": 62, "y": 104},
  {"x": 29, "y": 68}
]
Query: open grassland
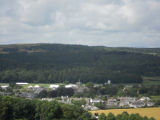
[
  {"x": 149, "y": 112},
  {"x": 151, "y": 80},
  {"x": 155, "y": 98}
]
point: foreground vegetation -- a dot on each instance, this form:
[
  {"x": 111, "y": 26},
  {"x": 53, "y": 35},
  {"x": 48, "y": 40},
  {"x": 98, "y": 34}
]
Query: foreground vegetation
[
  {"x": 123, "y": 116},
  {"x": 12, "y": 108},
  {"x": 22, "y": 109},
  {"x": 52, "y": 63},
  {"x": 149, "y": 112}
]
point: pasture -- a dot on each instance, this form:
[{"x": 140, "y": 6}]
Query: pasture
[{"x": 151, "y": 80}]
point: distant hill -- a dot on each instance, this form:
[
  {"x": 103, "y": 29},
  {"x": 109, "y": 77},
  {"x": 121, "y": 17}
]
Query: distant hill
[{"x": 50, "y": 63}]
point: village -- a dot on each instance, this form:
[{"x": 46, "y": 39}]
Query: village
[
  {"x": 88, "y": 103},
  {"x": 119, "y": 102}
]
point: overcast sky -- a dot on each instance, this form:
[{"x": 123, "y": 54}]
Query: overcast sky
[{"x": 129, "y": 23}]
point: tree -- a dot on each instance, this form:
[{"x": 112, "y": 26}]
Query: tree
[
  {"x": 111, "y": 116},
  {"x": 79, "y": 102},
  {"x": 100, "y": 105},
  {"x": 151, "y": 118},
  {"x": 43, "y": 94},
  {"x": 90, "y": 85},
  {"x": 125, "y": 116},
  {"x": 102, "y": 116}
]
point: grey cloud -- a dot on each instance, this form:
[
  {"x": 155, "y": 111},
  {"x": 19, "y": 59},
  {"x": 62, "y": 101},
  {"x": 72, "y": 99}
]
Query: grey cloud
[{"x": 92, "y": 22}]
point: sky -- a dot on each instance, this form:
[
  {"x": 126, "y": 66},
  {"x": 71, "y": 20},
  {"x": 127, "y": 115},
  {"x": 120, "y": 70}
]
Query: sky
[{"x": 112, "y": 23}]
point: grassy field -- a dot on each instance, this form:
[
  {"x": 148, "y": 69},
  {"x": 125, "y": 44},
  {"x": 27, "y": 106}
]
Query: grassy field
[
  {"x": 155, "y": 98},
  {"x": 149, "y": 112},
  {"x": 151, "y": 80},
  {"x": 33, "y": 84}
]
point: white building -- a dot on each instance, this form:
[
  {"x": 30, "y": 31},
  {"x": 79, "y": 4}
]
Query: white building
[
  {"x": 109, "y": 82},
  {"x": 125, "y": 101},
  {"x": 48, "y": 99},
  {"x": 4, "y": 86},
  {"x": 112, "y": 102},
  {"x": 54, "y": 87},
  {"x": 144, "y": 99},
  {"x": 70, "y": 86},
  {"x": 150, "y": 104},
  {"x": 20, "y": 83},
  {"x": 95, "y": 101},
  {"x": 137, "y": 104},
  {"x": 36, "y": 86}
]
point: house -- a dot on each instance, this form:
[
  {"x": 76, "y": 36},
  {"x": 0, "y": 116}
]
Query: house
[
  {"x": 25, "y": 95},
  {"x": 48, "y": 99},
  {"x": 89, "y": 107},
  {"x": 97, "y": 85},
  {"x": 65, "y": 100},
  {"x": 125, "y": 101},
  {"x": 21, "y": 83},
  {"x": 70, "y": 86},
  {"x": 38, "y": 89},
  {"x": 112, "y": 102},
  {"x": 4, "y": 87},
  {"x": 36, "y": 86},
  {"x": 150, "y": 104},
  {"x": 108, "y": 82},
  {"x": 95, "y": 101},
  {"x": 54, "y": 86},
  {"x": 80, "y": 88},
  {"x": 144, "y": 99},
  {"x": 137, "y": 104}
]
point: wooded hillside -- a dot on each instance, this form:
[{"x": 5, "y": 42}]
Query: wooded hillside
[{"x": 50, "y": 63}]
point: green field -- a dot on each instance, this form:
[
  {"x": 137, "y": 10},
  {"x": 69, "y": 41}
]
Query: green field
[
  {"x": 151, "y": 80},
  {"x": 155, "y": 98}
]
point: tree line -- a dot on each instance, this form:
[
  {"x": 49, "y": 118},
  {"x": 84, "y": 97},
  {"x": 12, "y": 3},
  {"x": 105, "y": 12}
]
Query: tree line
[
  {"x": 110, "y": 90},
  {"x": 123, "y": 116}
]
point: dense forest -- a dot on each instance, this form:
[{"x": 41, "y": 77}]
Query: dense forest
[
  {"x": 53, "y": 63},
  {"x": 23, "y": 109}
]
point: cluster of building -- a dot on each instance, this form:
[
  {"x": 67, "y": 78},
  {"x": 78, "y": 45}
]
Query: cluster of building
[
  {"x": 35, "y": 89},
  {"x": 89, "y": 102},
  {"x": 132, "y": 102},
  {"x": 119, "y": 102}
]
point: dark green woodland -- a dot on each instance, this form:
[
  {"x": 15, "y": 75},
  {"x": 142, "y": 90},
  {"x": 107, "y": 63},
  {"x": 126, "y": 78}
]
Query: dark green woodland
[{"x": 57, "y": 63}]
